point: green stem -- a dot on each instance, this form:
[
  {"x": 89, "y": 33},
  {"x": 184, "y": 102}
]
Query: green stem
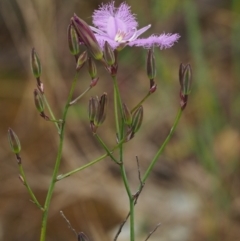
[
  {"x": 146, "y": 96},
  {"x": 120, "y": 130},
  {"x": 146, "y": 174},
  {"x": 57, "y": 164},
  {"x": 80, "y": 96},
  {"x": 131, "y": 201},
  {"x": 62, "y": 176},
  {"x": 105, "y": 148},
  {"x": 50, "y": 111},
  {"x": 34, "y": 199},
  {"x": 116, "y": 109}
]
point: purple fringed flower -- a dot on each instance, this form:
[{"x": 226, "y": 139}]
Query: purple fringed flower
[{"x": 118, "y": 26}]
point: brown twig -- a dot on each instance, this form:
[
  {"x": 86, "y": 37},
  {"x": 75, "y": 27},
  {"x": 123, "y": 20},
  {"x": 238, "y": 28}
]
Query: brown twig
[
  {"x": 154, "y": 230},
  {"x": 68, "y": 222}
]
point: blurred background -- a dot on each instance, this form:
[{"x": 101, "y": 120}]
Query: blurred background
[{"x": 194, "y": 190}]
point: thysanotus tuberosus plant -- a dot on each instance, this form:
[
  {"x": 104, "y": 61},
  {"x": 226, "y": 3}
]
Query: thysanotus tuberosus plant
[{"x": 114, "y": 29}]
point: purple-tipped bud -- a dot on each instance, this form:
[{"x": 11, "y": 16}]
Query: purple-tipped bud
[
  {"x": 81, "y": 60},
  {"x": 86, "y": 36},
  {"x": 94, "y": 82},
  {"x": 35, "y": 64},
  {"x": 127, "y": 116},
  {"x": 82, "y": 237},
  {"x": 92, "y": 68},
  {"x": 38, "y": 100},
  {"x": 137, "y": 119},
  {"x": 101, "y": 110},
  {"x": 92, "y": 108},
  {"x": 14, "y": 141},
  {"x": 109, "y": 54},
  {"x": 151, "y": 69},
  {"x": 73, "y": 42}
]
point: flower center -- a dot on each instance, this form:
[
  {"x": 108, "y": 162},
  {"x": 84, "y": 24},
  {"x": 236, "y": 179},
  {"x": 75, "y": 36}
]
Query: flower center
[{"x": 120, "y": 36}]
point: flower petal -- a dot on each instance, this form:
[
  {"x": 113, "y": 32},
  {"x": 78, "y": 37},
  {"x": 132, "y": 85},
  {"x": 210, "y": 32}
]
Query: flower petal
[
  {"x": 124, "y": 13},
  {"x": 103, "y": 18},
  {"x": 102, "y": 39},
  {"x": 139, "y": 32},
  {"x": 163, "y": 41}
]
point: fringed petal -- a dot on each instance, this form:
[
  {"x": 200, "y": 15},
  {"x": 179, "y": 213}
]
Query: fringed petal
[
  {"x": 163, "y": 41},
  {"x": 102, "y": 17}
]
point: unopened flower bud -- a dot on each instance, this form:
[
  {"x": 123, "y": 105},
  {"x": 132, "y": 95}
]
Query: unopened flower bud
[
  {"x": 151, "y": 68},
  {"x": 14, "y": 141},
  {"x": 101, "y": 110},
  {"x": 127, "y": 116},
  {"x": 82, "y": 237},
  {"x": 73, "y": 42},
  {"x": 35, "y": 64},
  {"x": 38, "y": 100},
  {"x": 92, "y": 68},
  {"x": 109, "y": 54},
  {"x": 137, "y": 119},
  {"x": 186, "y": 80},
  {"x": 86, "y": 35},
  {"x": 81, "y": 60},
  {"x": 92, "y": 108},
  {"x": 180, "y": 73}
]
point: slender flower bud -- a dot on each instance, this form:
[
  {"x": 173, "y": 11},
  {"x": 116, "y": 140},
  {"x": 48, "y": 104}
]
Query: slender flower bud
[
  {"x": 101, "y": 110},
  {"x": 186, "y": 80},
  {"x": 81, "y": 60},
  {"x": 109, "y": 54},
  {"x": 92, "y": 108},
  {"x": 137, "y": 119},
  {"x": 82, "y": 237},
  {"x": 92, "y": 68},
  {"x": 180, "y": 73},
  {"x": 14, "y": 141},
  {"x": 86, "y": 35},
  {"x": 39, "y": 103},
  {"x": 35, "y": 64},
  {"x": 127, "y": 116},
  {"x": 73, "y": 42},
  {"x": 151, "y": 68}
]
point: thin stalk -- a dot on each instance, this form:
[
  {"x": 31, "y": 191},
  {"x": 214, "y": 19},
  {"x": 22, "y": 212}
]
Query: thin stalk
[
  {"x": 62, "y": 176},
  {"x": 150, "y": 167},
  {"x": 118, "y": 107},
  {"x": 34, "y": 199},
  {"x": 57, "y": 163},
  {"x": 51, "y": 112},
  {"x": 131, "y": 201},
  {"x": 80, "y": 96},
  {"x": 105, "y": 148},
  {"x": 146, "y": 96}
]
